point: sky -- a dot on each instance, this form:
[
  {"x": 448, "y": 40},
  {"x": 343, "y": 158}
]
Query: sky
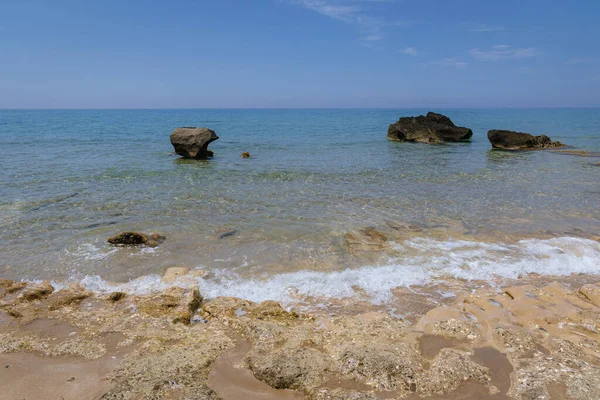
[{"x": 299, "y": 53}]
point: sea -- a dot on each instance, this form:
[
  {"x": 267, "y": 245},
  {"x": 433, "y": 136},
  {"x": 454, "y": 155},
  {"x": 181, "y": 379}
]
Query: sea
[{"x": 277, "y": 225}]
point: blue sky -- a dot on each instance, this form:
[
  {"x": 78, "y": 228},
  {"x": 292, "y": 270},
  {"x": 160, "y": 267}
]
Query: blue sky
[{"x": 299, "y": 53}]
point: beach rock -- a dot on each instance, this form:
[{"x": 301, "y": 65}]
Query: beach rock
[
  {"x": 451, "y": 368},
  {"x": 191, "y": 142},
  {"x": 368, "y": 240},
  {"x": 71, "y": 295},
  {"x": 136, "y": 239},
  {"x": 430, "y": 128},
  {"x": 245, "y": 155},
  {"x": 8, "y": 286},
  {"x": 341, "y": 394},
  {"x": 510, "y": 140},
  {"x": 459, "y": 329},
  {"x": 272, "y": 311},
  {"x": 591, "y": 293},
  {"x": 290, "y": 366},
  {"x": 173, "y": 273},
  {"x": 36, "y": 292},
  {"x": 380, "y": 365},
  {"x": 116, "y": 296},
  {"x": 223, "y": 308},
  {"x": 177, "y": 303}
]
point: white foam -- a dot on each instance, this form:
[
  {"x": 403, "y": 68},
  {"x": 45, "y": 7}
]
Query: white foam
[
  {"x": 422, "y": 261},
  {"x": 90, "y": 252}
]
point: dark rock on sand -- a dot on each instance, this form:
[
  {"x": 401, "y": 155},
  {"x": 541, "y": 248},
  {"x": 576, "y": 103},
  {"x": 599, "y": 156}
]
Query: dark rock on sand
[
  {"x": 136, "y": 239},
  {"x": 227, "y": 233},
  {"x": 430, "y": 128},
  {"x": 510, "y": 140},
  {"x": 116, "y": 296},
  {"x": 191, "y": 142}
]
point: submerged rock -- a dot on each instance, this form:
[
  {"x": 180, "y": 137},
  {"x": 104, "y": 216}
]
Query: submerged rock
[
  {"x": 191, "y": 142},
  {"x": 430, "y": 128},
  {"x": 136, "y": 239},
  {"x": 369, "y": 240},
  {"x": 245, "y": 155},
  {"x": 510, "y": 140}
]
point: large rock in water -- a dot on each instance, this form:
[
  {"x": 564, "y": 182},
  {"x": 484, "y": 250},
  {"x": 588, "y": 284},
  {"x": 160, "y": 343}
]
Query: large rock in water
[
  {"x": 510, "y": 140},
  {"x": 430, "y": 128},
  {"x": 193, "y": 142}
]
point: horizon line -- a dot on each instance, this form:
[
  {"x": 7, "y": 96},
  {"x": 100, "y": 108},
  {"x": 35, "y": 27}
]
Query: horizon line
[{"x": 293, "y": 108}]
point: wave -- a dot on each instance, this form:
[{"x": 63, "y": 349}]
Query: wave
[{"x": 421, "y": 261}]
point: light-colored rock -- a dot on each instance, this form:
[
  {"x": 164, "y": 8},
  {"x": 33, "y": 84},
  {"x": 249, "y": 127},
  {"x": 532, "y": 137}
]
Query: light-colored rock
[
  {"x": 36, "y": 292},
  {"x": 173, "y": 273}
]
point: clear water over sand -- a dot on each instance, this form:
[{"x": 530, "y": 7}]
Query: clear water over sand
[{"x": 70, "y": 179}]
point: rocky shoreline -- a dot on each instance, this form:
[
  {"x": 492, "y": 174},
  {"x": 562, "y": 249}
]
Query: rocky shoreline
[{"x": 536, "y": 339}]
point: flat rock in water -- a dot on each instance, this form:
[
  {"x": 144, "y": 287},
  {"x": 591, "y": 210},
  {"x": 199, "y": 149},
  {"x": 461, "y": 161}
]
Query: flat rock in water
[
  {"x": 430, "y": 128},
  {"x": 191, "y": 142},
  {"x": 511, "y": 140}
]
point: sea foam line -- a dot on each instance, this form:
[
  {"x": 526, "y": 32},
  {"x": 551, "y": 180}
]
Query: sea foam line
[{"x": 421, "y": 261}]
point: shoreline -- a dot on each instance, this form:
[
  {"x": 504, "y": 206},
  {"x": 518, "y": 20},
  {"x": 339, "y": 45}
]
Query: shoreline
[{"x": 537, "y": 338}]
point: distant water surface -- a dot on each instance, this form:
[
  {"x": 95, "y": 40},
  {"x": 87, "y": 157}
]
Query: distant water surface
[{"x": 69, "y": 179}]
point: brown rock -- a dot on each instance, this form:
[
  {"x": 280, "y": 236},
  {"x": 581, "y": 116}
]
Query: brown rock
[
  {"x": 369, "y": 239},
  {"x": 8, "y": 286},
  {"x": 510, "y": 140},
  {"x": 222, "y": 308},
  {"x": 177, "y": 303},
  {"x": 451, "y": 368},
  {"x": 430, "y": 128},
  {"x": 272, "y": 311},
  {"x": 191, "y": 142},
  {"x": 245, "y": 155},
  {"x": 172, "y": 273},
  {"x": 136, "y": 239},
  {"x": 591, "y": 293},
  {"x": 72, "y": 295},
  {"x": 36, "y": 292},
  {"x": 116, "y": 296},
  {"x": 289, "y": 366}
]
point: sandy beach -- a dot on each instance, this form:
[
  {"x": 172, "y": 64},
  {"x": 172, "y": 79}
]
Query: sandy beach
[{"x": 536, "y": 339}]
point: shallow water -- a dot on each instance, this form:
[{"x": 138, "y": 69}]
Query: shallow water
[{"x": 71, "y": 178}]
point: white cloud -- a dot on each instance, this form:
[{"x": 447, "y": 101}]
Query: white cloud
[
  {"x": 486, "y": 28},
  {"x": 582, "y": 60},
  {"x": 373, "y": 38},
  {"x": 352, "y": 12},
  {"x": 410, "y": 51},
  {"x": 337, "y": 11},
  {"x": 503, "y": 52},
  {"x": 448, "y": 62}
]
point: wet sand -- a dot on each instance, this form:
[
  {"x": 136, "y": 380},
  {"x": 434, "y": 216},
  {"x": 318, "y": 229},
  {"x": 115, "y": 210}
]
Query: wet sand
[{"x": 538, "y": 338}]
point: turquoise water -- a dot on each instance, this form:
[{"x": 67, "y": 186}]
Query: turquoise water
[{"x": 69, "y": 179}]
